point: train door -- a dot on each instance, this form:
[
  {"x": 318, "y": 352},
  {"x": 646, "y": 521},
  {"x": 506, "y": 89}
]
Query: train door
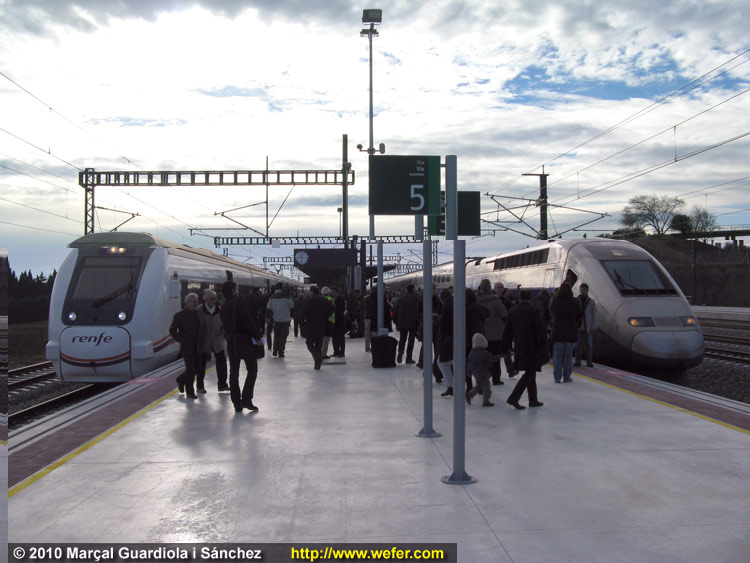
[{"x": 571, "y": 277}]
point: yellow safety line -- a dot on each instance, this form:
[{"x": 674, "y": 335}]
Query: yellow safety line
[
  {"x": 50, "y": 468},
  {"x": 3, "y": 443},
  {"x": 708, "y": 418}
]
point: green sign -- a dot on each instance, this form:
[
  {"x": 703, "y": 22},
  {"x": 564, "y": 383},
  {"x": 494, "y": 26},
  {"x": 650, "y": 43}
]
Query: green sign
[
  {"x": 469, "y": 223},
  {"x": 404, "y": 185}
]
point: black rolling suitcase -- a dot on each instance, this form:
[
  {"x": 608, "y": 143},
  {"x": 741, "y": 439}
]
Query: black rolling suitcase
[{"x": 384, "y": 351}]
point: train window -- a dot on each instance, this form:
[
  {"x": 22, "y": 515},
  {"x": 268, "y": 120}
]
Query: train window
[
  {"x": 101, "y": 276},
  {"x": 638, "y": 277},
  {"x": 571, "y": 277},
  {"x": 531, "y": 258}
]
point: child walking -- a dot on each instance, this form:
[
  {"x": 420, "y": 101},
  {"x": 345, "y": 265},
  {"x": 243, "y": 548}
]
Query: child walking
[{"x": 479, "y": 363}]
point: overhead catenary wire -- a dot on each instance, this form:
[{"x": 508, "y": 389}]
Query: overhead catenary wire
[
  {"x": 77, "y": 126},
  {"x": 48, "y": 152},
  {"x": 74, "y": 124},
  {"x": 38, "y": 228},
  {"x": 40, "y": 170},
  {"x": 674, "y": 94},
  {"x": 34, "y": 177},
  {"x": 631, "y": 176},
  {"x": 41, "y": 210},
  {"x": 634, "y": 145}
]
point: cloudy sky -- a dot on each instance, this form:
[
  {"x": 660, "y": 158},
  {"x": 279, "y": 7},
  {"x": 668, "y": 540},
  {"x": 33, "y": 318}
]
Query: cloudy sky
[{"x": 614, "y": 98}]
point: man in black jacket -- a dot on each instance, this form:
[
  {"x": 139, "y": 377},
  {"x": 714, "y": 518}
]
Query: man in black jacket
[
  {"x": 407, "y": 322},
  {"x": 524, "y": 329},
  {"x": 243, "y": 336},
  {"x": 339, "y": 325},
  {"x": 313, "y": 321},
  {"x": 187, "y": 329}
]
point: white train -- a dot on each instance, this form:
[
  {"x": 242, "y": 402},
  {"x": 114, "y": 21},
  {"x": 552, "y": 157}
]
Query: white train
[
  {"x": 643, "y": 317},
  {"x": 114, "y": 298}
]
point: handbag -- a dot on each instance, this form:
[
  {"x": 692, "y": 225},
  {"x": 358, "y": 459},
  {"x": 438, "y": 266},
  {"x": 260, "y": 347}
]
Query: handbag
[
  {"x": 541, "y": 356},
  {"x": 258, "y": 350}
]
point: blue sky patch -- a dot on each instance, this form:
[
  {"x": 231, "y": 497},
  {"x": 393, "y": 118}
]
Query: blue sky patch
[
  {"x": 235, "y": 91},
  {"x": 654, "y": 83}
]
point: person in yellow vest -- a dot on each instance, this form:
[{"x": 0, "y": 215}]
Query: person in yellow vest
[{"x": 326, "y": 291}]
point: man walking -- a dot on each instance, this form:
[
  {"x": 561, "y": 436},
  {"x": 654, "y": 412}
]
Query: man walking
[
  {"x": 281, "y": 306},
  {"x": 243, "y": 335},
  {"x": 524, "y": 329},
  {"x": 407, "y": 322},
  {"x": 314, "y": 321},
  {"x": 212, "y": 341}
]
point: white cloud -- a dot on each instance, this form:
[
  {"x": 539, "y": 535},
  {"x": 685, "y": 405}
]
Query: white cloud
[{"x": 505, "y": 86}]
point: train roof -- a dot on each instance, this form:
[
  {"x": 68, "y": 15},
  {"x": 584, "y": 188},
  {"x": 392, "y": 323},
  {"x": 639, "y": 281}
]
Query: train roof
[
  {"x": 600, "y": 248},
  {"x": 147, "y": 240}
]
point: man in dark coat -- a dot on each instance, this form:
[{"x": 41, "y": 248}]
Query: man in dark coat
[
  {"x": 565, "y": 311},
  {"x": 212, "y": 342},
  {"x": 187, "y": 329},
  {"x": 243, "y": 335},
  {"x": 407, "y": 322},
  {"x": 339, "y": 324},
  {"x": 313, "y": 321},
  {"x": 499, "y": 289},
  {"x": 524, "y": 330},
  {"x": 437, "y": 308},
  {"x": 354, "y": 313}
]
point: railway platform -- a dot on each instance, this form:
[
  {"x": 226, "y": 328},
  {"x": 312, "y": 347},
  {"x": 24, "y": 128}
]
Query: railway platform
[
  {"x": 611, "y": 468},
  {"x": 737, "y": 317}
]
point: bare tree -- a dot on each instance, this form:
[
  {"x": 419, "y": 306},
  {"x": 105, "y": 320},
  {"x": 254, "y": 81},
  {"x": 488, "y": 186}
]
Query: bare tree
[
  {"x": 651, "y": 211},
  {"x": 702, "y": 220}
]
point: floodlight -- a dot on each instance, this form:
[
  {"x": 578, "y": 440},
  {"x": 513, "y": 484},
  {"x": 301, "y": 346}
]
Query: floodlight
[{"x": 372, "y": 16}]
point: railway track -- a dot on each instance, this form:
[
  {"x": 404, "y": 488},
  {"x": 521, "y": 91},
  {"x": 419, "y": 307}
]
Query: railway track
[
  {"x": 736, "y": 356},
  {"x": 38, "y": 409},
  {"x": 740, "y": 340},
  {"x": 729, "y": 324},
  {"x": 29, "y": 375},
  {"x": 34, "y": 391}
]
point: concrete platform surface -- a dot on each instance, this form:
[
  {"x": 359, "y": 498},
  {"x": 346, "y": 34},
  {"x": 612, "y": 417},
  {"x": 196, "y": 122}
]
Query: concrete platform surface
[{"x": 596, "y": 474}]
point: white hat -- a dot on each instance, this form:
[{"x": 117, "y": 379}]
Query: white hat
[
  {"x": 478, "y": 341},
  {"x": 326, "y": 290}
]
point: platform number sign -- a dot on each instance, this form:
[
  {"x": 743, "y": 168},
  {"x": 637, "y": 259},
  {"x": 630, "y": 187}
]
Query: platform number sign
[
  {"x": 404, "y": 185},
  {"x": 469, "y": 224}
]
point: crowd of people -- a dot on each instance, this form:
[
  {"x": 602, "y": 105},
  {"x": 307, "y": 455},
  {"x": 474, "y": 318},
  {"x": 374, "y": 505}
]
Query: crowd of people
[{"x": 502, "y": 328}]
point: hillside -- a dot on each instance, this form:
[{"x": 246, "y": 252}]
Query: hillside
[{"x": 715, "y": 276}]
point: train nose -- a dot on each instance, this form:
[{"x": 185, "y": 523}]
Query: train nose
[
  {"x": 94, "y": 351},
  {"x": 669, "y": 349}
]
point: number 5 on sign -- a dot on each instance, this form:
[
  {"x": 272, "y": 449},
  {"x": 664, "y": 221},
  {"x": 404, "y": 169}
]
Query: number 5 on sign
[
  {"x": 404, "y": 185},
  {"x": 419, "y": 197}
]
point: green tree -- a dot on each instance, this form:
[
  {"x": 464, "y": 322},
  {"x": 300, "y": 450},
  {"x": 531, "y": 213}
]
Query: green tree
[
  {"x": 682, "y": 224},
  {"x": 651, "y": 211}
]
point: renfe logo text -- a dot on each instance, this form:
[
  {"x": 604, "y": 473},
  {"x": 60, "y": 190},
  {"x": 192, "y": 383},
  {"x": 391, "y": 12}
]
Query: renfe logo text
[{"x": 91, "y": 339}]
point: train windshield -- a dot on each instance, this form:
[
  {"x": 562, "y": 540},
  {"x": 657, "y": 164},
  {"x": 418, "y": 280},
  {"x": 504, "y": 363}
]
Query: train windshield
[
  {"x": 638, "y": 277},
  {"x": 107, "y": 278}
]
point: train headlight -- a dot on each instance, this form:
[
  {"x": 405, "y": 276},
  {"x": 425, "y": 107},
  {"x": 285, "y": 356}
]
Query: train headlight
[
  {"x": 122, "y": 316},
  {"x": 641, "y": 321},
  {"x": 72, "y": 316},
  {"x": 689, "y": 321}
]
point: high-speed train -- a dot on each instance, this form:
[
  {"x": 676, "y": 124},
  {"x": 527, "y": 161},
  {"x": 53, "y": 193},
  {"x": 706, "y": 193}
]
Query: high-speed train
[
  {"x": 114, "y": 298},
  {"x": 643, "y": 316}
]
